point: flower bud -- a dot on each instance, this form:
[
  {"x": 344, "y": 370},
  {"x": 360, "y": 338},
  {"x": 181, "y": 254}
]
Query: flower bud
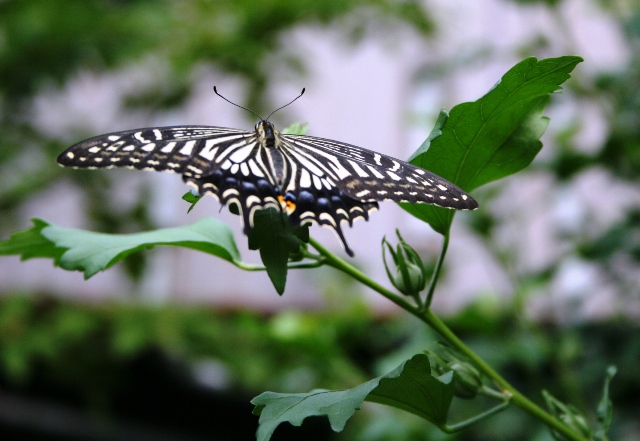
[
  {"x": 468, "y": 380},
  {"x": 569, "y": 415},
  {"x": 409, "y": 273}
]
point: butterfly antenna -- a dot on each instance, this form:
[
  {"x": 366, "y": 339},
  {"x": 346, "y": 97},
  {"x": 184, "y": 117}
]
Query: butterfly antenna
[
  {"x": 290, "y": 102},
  {"x": 238, "y": 105}
]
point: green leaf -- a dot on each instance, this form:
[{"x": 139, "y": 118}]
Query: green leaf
[
  {"x": 74, "y": 249},
  {"x": 192, "y": 199},
  {"x": 276, "y": 239},
  {"x": 295, "y": 129},
  {"x": 31, "y": 244},
  {"x": 493, "y": 137},
  {"x": 409, "y": 387}
]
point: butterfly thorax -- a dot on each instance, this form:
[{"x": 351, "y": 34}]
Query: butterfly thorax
[{"x": 269, "y": 140}]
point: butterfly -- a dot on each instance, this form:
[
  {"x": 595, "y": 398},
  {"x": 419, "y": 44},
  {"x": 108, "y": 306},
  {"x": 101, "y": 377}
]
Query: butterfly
[{"x": 312, "y": 180}]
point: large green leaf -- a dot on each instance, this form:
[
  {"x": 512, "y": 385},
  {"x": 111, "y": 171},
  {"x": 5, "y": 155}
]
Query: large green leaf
[
  {"x": 493, "y": 137},
  {"x": 90, "y": 252},
  {"x": 410, "y": 387}
]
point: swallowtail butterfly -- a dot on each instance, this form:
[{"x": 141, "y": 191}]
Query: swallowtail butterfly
[{"x": 311, "y": 179}]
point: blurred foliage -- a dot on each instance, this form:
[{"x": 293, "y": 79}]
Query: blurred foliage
[
  {"x": 84, "y": 350},
  {"x": 78, "y": 344}
]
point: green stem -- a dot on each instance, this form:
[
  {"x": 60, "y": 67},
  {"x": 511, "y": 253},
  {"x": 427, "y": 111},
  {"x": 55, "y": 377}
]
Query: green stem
[
  {"x": 436, "y": 272},
  {"x": 339, "y": 264},
  {"x": 299, "y": 265},
  {"x": 427, "y": 316},
  {"x": 471, "y": 421},
  {"x": 517, "y": 399}
]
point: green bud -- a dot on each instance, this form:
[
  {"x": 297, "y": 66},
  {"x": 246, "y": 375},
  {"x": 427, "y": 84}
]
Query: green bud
[
  {"x": 409, "y": 273},
  {"x": 576, "y": 419},
  {"x": 569, "y": 415},
  {"x": 468, "y": 380}
]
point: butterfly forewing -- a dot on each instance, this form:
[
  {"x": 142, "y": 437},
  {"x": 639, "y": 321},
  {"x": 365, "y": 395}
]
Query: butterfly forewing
[
  {"x": 370, "y": 176},
  {"x": 188, "y": 150},
  {"x": 311, "y": 179}
]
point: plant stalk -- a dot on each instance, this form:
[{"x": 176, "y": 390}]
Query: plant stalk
[{"x": 439, "y": 326}]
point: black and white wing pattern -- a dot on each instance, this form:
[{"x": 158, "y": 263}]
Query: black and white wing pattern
[{"x": 311, "y": 179}]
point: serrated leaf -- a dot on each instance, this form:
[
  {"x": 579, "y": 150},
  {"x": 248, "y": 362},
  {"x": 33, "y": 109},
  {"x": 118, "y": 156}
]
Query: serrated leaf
[
  {"x": 91, "y": 252},
  {"x": 31, "y": 244},
  {"x": 276, "y": 239},
  {"x": 410, "y": 387},
  {"x": 493, "y": 137}
]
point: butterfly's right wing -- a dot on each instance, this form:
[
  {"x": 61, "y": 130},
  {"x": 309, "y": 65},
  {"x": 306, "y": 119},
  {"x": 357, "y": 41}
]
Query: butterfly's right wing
[{"x": 366, "y": 175}]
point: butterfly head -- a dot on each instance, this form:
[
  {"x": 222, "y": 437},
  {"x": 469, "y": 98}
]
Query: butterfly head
[{"x": 265, "y": 130}]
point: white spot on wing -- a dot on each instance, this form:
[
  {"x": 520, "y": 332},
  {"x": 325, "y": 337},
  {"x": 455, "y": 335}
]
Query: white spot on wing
[
  {"x": 188, "y": 147},
  {"x": 358, "y": 169},
  {"x": 255, "y": 169},
  {"x": 209, "y": 151},
  {"x": 94, "y": 149},
  {"x": 252, "y": 200},
  {"x": 169, "y": 147},
  {"x": 327, "y": 217},
  {"x": 393, "y": 176},
  {"x": 241, "y": 154},
  {"x": 305, "y": 179},
  {"x": 375, "y": 172}
]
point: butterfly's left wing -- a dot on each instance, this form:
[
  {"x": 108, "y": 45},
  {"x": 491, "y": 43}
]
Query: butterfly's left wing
[
  {"x": 366, "y": 175},
  {"x": 188, "y": 150},
  {"x": 216, "y": 160}
]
